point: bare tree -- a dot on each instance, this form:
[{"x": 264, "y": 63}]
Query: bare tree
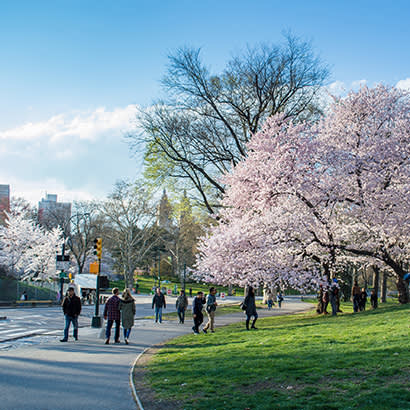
[
  {"x": 201, "y": 130},
  {"x": 129, "y": 214},
  {"x": 81, "y": 230}
]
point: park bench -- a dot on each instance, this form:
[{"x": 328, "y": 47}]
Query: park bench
[{"x": 33, "y": 302}]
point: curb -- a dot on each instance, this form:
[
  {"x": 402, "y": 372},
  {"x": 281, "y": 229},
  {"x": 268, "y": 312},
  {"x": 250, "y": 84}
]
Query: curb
[{"x": 133, "y": 389}]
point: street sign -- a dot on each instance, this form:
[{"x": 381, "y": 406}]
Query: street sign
[
  {"x": 94, "y": 267},
  {"x": 63, "y": 262}
]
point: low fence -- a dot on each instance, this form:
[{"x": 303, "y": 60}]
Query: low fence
[{"x": 11, "y": 290}]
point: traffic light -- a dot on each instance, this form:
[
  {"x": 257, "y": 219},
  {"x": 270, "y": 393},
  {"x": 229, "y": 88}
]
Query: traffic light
[{"x": 98, "y": 247}]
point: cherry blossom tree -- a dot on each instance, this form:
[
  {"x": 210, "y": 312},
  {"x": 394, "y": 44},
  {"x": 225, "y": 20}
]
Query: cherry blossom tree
[
  {"x": 27, "y": 250},
  {"x": 310, "y": 196}
]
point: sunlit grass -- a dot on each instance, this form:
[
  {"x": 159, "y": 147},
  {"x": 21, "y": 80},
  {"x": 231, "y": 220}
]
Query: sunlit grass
[{"x": 292, "y": 362}]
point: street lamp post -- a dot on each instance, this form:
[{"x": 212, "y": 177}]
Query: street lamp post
[{"x": 96, "y": 320}]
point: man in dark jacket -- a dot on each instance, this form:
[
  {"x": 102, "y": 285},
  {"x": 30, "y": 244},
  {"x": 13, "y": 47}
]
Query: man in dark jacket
[
  {"x": 159, "y": 302},
  {"x": 197, "y": 304},
  {"x": 72, "y": 308},
  {"x": 112, "y": 314}
]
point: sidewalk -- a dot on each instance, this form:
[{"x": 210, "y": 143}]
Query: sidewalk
[{"x": 89, "y": 374}]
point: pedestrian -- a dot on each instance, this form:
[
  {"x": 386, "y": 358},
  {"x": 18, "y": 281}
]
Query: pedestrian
[
  {"x": 159, "y": 302},
  {"x": 356, "y": 297},
  {"x": 197, "y": 304},
  {"x": 270, "y": 299},
  {"x": 24, "y": 296},
  {"x": 319, "y": 308},
  {"x": 112, "y": 314},
  {"x": 211, "y": 305},
  {"x": 373, "y": 299},
  {"x": 325, "y": 300},
  {"x": 136, "y": 287},
  {"x": 181, "y": 305},
  {"x": 250, "y": 308},
  {"x": 363, "y": 299},
  {"x": 190, "y": 292},
  {"x": 72, "y": 308},
  {"x": 127, "y": 309},
  {"x": 280, "y": 298},
  {"x": 333, "y": 292}
]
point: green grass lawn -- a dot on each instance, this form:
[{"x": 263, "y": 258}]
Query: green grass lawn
[
  {"x": 147, "y": 282},
  {"x": 301, "y": 361}
]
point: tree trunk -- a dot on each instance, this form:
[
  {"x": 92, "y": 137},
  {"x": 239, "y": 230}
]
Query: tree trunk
[
  {"x": 384, "y": 288},
  {"x": 376, "y": 279},
  {"x": 403, "y": 290}
]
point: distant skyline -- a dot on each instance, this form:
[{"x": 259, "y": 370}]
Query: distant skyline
[{"x": 72, "y": 73}]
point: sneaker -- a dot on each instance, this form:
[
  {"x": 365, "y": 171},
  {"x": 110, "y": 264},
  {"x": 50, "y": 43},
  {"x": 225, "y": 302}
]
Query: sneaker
[
  {"x": 107, "y": 342},
  {"x": 126, "y": 341},
  {"x": 63, "y": 340},
  {"x": 253, "y": 327},
  {"x": 76, "y": 338},
  {"x": 212, "y": 331},
  {"x": 205, "y": 331},
  {"x": 117, "y": 341}
]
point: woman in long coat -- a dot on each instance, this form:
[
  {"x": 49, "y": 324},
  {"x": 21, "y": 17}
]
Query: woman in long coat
[
  {"x": 127, "y": 308},
  {"x": 250, "y": 309}
]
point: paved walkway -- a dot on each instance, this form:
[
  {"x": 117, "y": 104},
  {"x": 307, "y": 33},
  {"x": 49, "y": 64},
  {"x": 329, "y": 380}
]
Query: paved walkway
[{"x": 87, "y": 373}]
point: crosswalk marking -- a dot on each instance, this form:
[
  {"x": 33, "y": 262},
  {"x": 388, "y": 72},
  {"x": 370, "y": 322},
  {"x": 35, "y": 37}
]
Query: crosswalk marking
[{"x": 19, "y": 334}]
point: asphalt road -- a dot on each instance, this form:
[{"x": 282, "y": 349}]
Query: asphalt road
[{"x": 46, "y": 374}]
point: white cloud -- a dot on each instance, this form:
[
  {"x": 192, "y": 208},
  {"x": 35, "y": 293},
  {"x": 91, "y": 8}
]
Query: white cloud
[
  {"x": 356, "y": 85},
  {"x": 88, "y": 125},
  {"x": 404, "y": 84},
  {"x": 74, "y": 155}
]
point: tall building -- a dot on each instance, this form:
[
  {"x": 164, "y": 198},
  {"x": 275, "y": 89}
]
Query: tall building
[
  {"x": 52, "y": 213},
  {"x": 164, "y": 213},
  {"x": 4, "y": 202}
]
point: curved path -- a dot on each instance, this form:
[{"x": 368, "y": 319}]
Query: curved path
[{"x": 87, "y": 373}]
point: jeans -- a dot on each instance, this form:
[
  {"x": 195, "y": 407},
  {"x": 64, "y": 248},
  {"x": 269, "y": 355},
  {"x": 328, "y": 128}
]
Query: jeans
[
  {"x": 68, "y": 320},
  {"x": 333, "y": 303},
  {"x": 127, "y": 333},
  {"x": 158, "y": 314},
  {"x": 110, "y": 322},
  {"x": 270, "y": 303},
  {"x": 181, "y": 315},
  {"x": 356, "y": 303}
]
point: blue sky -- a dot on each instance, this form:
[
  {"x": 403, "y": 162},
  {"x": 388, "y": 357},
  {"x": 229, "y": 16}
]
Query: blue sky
[{"x": 72, "y": 71}]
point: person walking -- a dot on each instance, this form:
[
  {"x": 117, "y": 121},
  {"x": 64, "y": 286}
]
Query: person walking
[
  {"x": 333, "y": 292},
  {"x": 356, "y": 297},
  {"x": 127, "y": 309},
  {"x": 197, "y": 315},
  {"x": 270, "y": 299},
  {"x": 159, "y": 302},
  {"x": 112, "y": 314},
  {"x": 72, "y": 308},
  {"x": 250, "y": 308},
  {"x": 181, "y": 305},
  {"x": 373, "y": 299},
  {"x": 211, "y": 305},
  {"x": 363, "y": 300},
  {"x": 280, "y": 298},
  {"x": 325, "y": 299},
  {"x": 319, "y": 308}
]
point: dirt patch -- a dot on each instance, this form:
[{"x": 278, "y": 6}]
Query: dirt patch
[{"x": 146, "y": 395}]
